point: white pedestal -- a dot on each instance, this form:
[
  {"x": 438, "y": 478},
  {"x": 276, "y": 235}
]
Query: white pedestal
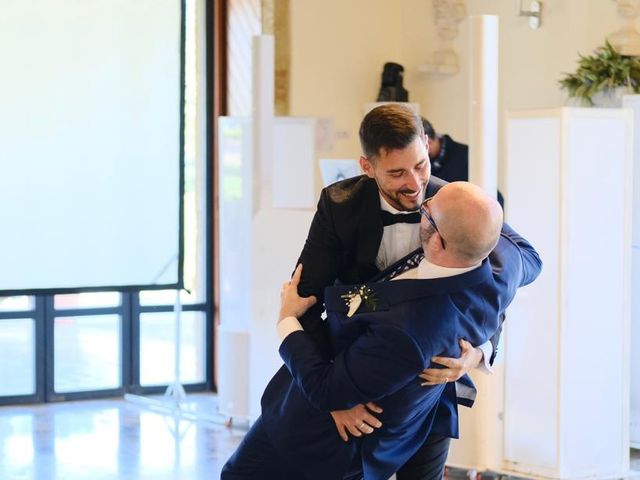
[
  {"x": 266, "y": 181},
  {"x": 633, "y": 102},
  {"x": 480, "y": 444},
  {"x": 566, "y": 342}
]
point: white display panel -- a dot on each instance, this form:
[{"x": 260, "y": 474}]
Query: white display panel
[
  {"x": 90, "y": 143},
  {"x": 538, "y": 217},
  {"x": 293, "y": 145},
  {"x": 235, "y": 180},
  {"x": 633, "y": 102},
  {"x": 635, "y": 351},
  {"x": 294, "y": 162},
  {"x": 581, "y": 301}
]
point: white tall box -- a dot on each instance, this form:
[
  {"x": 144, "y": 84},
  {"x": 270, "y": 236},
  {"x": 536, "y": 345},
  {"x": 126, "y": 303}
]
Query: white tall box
[
  {"x": 633, "y": 102},
  {"x": 569, "y": 187}
]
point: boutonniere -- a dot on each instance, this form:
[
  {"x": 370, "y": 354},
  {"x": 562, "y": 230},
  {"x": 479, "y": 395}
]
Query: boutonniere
[{"x": 355, "y": 298}]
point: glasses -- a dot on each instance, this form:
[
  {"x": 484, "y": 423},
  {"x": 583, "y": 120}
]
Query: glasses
[{"x": 427, "y": 215}]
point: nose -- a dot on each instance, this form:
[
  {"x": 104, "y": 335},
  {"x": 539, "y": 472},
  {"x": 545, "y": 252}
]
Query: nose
[{"x": 414, "y": 182}]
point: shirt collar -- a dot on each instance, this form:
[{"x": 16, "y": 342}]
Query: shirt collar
[{"x": 428, "y": 270}]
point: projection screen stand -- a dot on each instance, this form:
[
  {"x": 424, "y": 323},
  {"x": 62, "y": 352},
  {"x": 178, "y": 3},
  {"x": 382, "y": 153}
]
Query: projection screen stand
[{"x": 174, "y": 402}]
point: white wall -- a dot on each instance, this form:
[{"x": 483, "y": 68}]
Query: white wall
[{"x": 338, "y": 49}]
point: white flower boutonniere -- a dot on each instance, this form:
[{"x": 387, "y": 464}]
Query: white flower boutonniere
[{"x": 355, "y": 298}]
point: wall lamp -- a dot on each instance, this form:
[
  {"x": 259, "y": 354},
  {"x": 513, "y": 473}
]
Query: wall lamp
[{"x": 534, "y": 13}]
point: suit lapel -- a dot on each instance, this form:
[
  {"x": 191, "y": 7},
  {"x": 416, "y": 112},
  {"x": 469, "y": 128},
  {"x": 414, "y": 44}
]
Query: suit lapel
[{"x": 369, "y": 230}]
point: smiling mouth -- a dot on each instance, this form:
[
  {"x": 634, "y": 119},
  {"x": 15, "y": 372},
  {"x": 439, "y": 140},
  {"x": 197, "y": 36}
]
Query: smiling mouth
[{"x": 410, "y": 195}]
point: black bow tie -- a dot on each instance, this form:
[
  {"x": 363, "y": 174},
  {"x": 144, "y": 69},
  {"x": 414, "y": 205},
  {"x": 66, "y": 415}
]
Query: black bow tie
[{"x": 389, "y": 218}]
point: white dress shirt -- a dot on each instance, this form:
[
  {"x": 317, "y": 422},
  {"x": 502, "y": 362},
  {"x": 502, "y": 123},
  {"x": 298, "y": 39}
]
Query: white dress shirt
[{"x": 397, "y": 240}]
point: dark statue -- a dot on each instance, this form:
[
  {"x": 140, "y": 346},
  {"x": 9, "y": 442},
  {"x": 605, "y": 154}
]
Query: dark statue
[{"x": 391, "y": 89}]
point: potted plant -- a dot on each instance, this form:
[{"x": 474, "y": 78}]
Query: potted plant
[{"x": 603, "y": 77}]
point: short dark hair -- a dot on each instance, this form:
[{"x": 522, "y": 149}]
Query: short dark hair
[
  {"x": 428, "y": 128},
  {"x": 389, "y": 127}
]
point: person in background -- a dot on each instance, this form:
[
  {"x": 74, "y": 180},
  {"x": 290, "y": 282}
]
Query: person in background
[{"x": 449, "y": 159}]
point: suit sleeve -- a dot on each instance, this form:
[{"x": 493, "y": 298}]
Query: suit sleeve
[
  {"x": 531, "y": 266},
  {"x": 321, "y": 258},
  {"x": 531, "y": 262},
  {"x": 377, "y": 364}
]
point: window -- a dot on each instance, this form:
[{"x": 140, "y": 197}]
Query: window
[{"x": 92, "y": 344}]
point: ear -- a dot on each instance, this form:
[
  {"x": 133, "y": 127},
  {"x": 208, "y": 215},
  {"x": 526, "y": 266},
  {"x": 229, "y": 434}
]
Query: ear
[
  {"x": 438, "y": 242},
  {"x": 366, "y": 166},
  {"x": 434, "y": 245},
  {"x": 429, "y": 143}
]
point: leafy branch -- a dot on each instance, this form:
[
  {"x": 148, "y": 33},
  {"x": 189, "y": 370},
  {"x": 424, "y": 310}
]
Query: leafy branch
[{"x": 604, "y": 69}]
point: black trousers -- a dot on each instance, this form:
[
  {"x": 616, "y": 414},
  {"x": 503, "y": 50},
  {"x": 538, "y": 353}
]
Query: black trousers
[{"x": 428, "y": 462}]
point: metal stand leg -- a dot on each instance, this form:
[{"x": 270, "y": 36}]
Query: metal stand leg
[{"x": 174, "y": 400}]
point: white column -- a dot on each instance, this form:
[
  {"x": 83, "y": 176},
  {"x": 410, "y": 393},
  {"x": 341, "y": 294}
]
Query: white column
[
  {"x": 483, "y": 94},
  {"x": 262, "y": 117},
  {"x": 480, "y": 444},
  {"x": 262, "y": 339}
]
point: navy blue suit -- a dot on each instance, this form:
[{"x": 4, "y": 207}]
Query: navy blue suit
[{"x": 377, "y": 355}]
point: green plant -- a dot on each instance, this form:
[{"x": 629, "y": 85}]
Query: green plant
[{"x": 605, "y": 69}]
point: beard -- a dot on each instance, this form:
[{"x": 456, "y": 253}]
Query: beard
[{"x": 404, "y": 200}]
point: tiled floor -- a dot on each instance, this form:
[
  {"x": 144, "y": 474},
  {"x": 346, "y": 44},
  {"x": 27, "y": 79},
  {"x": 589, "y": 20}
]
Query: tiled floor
[
  {"x": 118, "y": 439},
  {"x": 111, "y": 439}
]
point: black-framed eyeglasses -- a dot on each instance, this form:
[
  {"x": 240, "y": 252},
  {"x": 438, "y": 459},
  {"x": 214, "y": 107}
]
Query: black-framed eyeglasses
[{"x": 427, "y": 215}]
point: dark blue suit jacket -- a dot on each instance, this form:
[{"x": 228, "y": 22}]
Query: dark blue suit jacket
[{"x": 378, "y": 354}]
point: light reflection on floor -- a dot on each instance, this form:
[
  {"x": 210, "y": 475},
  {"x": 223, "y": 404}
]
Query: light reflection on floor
[
  {"x": 111, "y": 439},
  {"x": 116, "y": 439}
]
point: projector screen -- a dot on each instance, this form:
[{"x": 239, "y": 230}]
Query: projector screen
[{"x": 91, "y": 123}]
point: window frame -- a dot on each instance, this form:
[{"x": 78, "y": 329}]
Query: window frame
[{"x": 44, "y": 312}]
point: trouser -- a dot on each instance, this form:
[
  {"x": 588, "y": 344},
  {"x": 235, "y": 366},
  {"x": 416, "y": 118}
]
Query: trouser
[
  {"x": 257, "y": 459},
  {"x": 428, "y": 462}
]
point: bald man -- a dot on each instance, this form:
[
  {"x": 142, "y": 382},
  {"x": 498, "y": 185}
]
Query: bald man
[{"x": 383, "y": 333}]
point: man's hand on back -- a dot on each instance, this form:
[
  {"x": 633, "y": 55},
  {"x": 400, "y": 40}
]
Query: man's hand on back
[
  {"x": 469, "y": 359},
  {"x": 292, "y": 304},
  {"x": 357, "y": 420}
]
